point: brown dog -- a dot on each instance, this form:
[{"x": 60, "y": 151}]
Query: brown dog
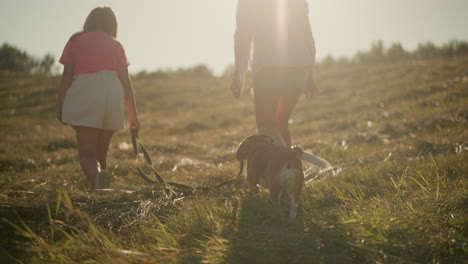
[{"x": 277, "y": 168}]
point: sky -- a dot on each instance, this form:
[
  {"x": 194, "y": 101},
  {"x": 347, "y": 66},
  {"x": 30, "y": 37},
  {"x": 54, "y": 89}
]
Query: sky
[{"x": 168, "y": 34}]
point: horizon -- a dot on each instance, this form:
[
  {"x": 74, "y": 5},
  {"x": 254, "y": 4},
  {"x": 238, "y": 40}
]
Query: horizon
[{"x": 198, "y": 35}]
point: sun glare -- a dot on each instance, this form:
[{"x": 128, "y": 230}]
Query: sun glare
[{"x": 281, "y": 15}]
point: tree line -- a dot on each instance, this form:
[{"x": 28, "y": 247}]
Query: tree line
[
  {"x": 14, "y": 59},
  {"x": 395, "y": 52}
]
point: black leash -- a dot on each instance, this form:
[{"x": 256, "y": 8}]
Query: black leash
[{"x": 172, "y": 189}]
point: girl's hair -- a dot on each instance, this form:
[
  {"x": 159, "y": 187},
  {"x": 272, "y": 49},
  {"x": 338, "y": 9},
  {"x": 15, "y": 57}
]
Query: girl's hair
[{"x": 100, "y": 19}]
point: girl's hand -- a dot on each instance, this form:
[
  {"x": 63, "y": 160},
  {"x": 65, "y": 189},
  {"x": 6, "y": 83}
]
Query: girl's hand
[
  {"x": 58, "y": 110},
  {"x": 311, "y": 89},
  {"x": 59, "y": 115},
  {"x": 134, "y": 124},
  {"x": 237, "y": 85}
]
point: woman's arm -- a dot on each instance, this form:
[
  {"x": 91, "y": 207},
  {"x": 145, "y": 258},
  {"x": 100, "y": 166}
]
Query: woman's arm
[
  {"x": 129, "y": 96},
  {"x": 65, "y": 83},
  {"x": 311, "y": 89},
  {"x": 242, "y": 46},
  {"x": 310, "y": 41}
]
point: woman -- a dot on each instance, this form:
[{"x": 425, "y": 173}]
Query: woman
[
  {"x": 273, "y": 38},
  {"x": 94, "y": 86}
]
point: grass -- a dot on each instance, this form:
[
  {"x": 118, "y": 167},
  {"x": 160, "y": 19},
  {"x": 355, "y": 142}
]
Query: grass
[{"x": 396, "y": 134}]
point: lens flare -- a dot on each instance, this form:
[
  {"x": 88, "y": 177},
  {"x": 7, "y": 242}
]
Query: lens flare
[{"x": 281, "y": 20}]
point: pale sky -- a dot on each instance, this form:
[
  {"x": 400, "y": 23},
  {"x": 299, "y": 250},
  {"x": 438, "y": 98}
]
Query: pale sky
[{"x": 163, "y": 34}]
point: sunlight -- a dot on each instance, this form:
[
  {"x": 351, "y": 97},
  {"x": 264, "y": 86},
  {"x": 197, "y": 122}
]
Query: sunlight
[{"x": 282, "y": 16}]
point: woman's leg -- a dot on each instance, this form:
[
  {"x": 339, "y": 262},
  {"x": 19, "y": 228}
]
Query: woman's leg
[
  {"x": 104, "y": 140},
  {"x": 265, "y": 104},
  {"x": 287, "y": 104},
  {"x": 87, "y": 140}
]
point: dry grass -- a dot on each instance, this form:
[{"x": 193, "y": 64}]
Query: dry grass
[{"x": 396, "y": 134}]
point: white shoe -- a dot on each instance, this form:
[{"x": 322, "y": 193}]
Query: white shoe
[{"x": 103, "y": 180}]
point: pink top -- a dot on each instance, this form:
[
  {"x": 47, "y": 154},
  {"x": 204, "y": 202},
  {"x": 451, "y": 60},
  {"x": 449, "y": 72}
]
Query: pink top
[{"x": 93, "y": 52}]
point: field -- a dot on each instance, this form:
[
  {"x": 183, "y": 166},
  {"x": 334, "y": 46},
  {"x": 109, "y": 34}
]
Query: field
[{"x": 396, "y": 134}]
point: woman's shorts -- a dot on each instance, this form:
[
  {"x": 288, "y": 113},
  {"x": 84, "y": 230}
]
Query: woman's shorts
[
  {"x": 281, "y": 78},
  {"x": 95, "y": 100}
]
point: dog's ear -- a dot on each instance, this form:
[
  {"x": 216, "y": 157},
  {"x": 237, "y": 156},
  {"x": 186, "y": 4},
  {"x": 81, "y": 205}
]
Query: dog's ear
[{"x": 251, "y": 143}]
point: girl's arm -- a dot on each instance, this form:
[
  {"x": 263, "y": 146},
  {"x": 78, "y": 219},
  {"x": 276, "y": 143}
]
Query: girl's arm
[
  {"x": 129, "y": 95},
  {"x": 242, "y": 46},
  {"x": 65, "y": 83}
]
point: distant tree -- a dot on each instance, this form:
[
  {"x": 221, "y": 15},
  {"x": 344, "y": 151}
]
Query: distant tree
[
  {"x": 343, "y": 61},
  {"x": 377, "y": 52},
  {"x": 199, "y": 70},
  {"x": 454, "y": 48},
  {"x": 426, "y": 51},
  {"x": 461, "y": 48},
  {"x": 142, "y": 73},
  {"x": 45, "y": 65},
  {"x": 328, "y": 61},
  {"x": 396, "y": 52},
  {"x": 228, "y": 72},
  {"x": 161, "y": 73},
  {"x": 361, "y": 57},
  {"x": 14, "y": 59}
]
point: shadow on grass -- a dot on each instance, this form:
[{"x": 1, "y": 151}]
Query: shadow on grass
[
  {"x": 13, "y": 246},
  {"x": 265, "y": 236},
  {"x": 27, "y": 231}
]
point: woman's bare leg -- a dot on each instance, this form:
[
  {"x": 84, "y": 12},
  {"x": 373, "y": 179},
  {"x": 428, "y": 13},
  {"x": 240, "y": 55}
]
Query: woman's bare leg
[
  {"x": 104, "y": 140},
  {"x": 265, "y": 104},
  {"x": 287, "y": 104},
  {"x": 87, "y": 140}
]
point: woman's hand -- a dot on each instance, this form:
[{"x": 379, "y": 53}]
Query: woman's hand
[
  {"x": 311, "y": 89},
  {"x": 134, "y": 124},
  {"x": 237, "y": 85},
  {"x": 58, "y": 110}
]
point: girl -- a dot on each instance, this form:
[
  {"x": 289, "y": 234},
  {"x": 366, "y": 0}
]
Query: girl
[
  {"x": 274, "y": 36},
  {"x": 94, "y": 86}
]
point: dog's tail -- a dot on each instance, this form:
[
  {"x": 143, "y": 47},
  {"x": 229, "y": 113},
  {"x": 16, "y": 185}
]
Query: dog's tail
[{"x": 309, "y": 157}]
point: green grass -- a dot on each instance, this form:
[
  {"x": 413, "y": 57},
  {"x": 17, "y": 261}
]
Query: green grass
[{"x": 396, "y": 134}]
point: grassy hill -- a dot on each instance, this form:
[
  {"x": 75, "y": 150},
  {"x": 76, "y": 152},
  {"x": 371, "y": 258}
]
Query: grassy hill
[{"x": 396, "y": 134}]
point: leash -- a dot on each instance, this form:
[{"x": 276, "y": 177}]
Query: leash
[{"x": 172, "y": 189}]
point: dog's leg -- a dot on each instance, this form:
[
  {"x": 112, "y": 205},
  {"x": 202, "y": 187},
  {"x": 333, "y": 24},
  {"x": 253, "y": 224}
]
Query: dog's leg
[
  {"x": 275, "y": 191},
  {"x": 294, "y": 208},
  {"x": 241, "y": 168},
  {"x": 252, "y": 177},
  {"x": 275, "y": 194}
]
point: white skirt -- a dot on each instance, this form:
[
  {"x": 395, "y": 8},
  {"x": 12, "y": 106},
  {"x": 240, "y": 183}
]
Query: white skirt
[{"x": 95, "y": 100}]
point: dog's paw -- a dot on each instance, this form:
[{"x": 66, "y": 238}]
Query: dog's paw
[{"x": 254, "y": 189}]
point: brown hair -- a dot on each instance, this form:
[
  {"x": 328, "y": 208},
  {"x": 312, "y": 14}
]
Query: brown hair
[{"x": 100, "y": 19}]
